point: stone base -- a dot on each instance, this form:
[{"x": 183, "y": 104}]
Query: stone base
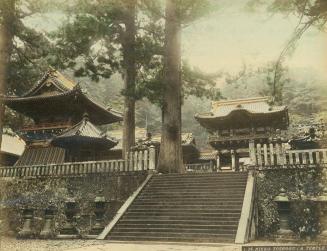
[
  {"x": 68, "y": 236},
  {"x": 96, "y": 230},
  {"x": 47, "y": 235},
  {"x": 284, "y": 235},
  {"x": 322, "y": 237},
  {"x": 24, "y": 234},
  {"x": 68, "y": 229},
  {"x": 91, "y": 236}
]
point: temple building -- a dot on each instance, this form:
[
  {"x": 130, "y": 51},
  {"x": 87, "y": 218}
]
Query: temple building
[
  {"x": 144, "y": 138},
  {"x": 237, "y": 125},
  {"x": 65, "y": 120}
]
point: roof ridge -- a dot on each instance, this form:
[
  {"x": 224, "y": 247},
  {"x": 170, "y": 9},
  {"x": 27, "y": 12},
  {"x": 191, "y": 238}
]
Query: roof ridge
[
  {"x": 242, "y": 100},
  {"x": 53, "y": 75}
]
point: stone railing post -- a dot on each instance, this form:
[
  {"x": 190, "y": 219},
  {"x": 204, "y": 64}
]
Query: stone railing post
[
  {"x": 152, "y": 158},
  {"x": 233, "y": 156},
  {"x": 252, "y": 153}
]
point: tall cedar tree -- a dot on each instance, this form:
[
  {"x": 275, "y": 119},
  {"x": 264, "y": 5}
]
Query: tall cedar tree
[
  {"x": 170, "y": 157},
  {"x": 129, "y": 76},
  {"x": 23, "y": 52},
  {"x": 7, "y": 10},
  {"x": 111, "y": 24}
]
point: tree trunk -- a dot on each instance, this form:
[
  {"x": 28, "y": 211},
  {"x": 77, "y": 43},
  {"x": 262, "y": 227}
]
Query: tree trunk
[
  {"x": 129, "y": 77},
  {"x": 170, "y": 157},
  {"x": 6, "y": 36}
]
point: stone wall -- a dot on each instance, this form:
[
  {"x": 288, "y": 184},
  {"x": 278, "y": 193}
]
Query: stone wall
[{"x": 42, "y": 193}]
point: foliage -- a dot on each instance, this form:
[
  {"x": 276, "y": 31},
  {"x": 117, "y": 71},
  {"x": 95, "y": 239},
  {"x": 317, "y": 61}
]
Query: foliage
[
  {"x": 40, "y": 194},
  {"x": 314, "y": 10},
  {"x": 305, "y": 219},
  {"x": 90, "y": 43},
  {"x": 30, "y": 48},
  {"x": 299, "y": 185},
  {"x": 263, "y": 81}
]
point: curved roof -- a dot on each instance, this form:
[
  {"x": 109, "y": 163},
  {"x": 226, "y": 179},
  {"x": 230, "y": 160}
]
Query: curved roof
[
  {"x": 242, "y": 113},
  {"x": 55, "y": 95},
  {"x": 84, "y": 132},
  {"x": 54, "y": 77}
]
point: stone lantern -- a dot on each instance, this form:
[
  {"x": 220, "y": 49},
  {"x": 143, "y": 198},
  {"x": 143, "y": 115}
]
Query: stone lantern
[
  {"x": 100, "y": 206},
  {"x": 27, "y": 232},
  {"x": 284, "y": 210},
  {"x": 48, "y": 228},
  {"x": 69, "y": 230}
]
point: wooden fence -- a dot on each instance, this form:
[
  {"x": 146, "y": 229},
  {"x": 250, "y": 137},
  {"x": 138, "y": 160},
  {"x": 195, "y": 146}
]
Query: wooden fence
[
  {"x": 143, "y": 160},
  {"x": 269, "y": 156}
]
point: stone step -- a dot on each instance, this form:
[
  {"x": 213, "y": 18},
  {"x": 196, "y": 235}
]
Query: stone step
[
  {"x": 223, "y": 239},
  {"x": 192, "y": 199},
  {"x": 178, "y": 211},
  {"x": 193, "y": 191},
  {"x": 198, "y": 179},
  {"x": 188, "y": 203},
  {"x": 192, "y": 229},
  {"x": 197, "y": 185},
  {"x": 163, "y": 220},
  {"x": 217, "y": 196},
  {"x": 213, "y": 174},
  {"x": 195, "y": 188},
  {"x": 186, "y": 216},
  {"x": 187, "y": 207},
  {"x": 208, "y": 180},
  {"x": 176, "y": 226},
  {"x": 172, "y": 234}
]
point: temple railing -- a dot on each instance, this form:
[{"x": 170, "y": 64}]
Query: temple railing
[
  {"x": 272, "y": 156},
  {"x": 137, "y": 161},
  {"x": 201, "y": 167},
  {"x": 247, "y": 137},
  {"x": 45, "y": 126}
]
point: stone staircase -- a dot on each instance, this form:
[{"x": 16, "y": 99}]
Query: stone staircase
[{"x": 185, "y": 207}]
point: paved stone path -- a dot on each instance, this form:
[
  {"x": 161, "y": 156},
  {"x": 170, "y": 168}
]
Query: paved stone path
[{"x": 114, "y": 246}]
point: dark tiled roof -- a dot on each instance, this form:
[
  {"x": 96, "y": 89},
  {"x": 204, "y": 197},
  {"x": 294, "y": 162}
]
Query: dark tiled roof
[
  {"x": 251, "y": 105},
  {"x": 41, "y": 156},
  {"x": 60, "y": 81},
  {"x": 84, "y": 131},
  {"x": 67, "y": 92},
  {"x": 226, "y": 111}
]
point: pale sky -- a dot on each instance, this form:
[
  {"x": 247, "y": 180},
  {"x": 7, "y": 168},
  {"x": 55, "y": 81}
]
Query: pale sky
[
  {"x": 227, "y": 39},
  {"x": 230, "y": 37}
]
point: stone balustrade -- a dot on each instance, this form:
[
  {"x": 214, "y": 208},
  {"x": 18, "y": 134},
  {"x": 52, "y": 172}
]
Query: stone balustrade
[{"x": 143, "y": 160}]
